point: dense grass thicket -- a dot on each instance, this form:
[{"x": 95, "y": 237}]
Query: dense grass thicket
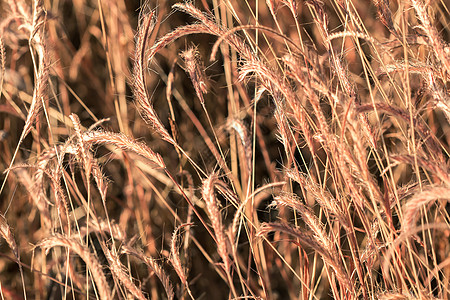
[{"x": 224, "y": 149}]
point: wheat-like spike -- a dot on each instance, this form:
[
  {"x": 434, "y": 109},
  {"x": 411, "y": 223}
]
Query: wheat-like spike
[
  {"x": 165, "y": 280},
  {"x": 36, "y": 27},
  {"x": 5, "y": 232},
  {"x": 82, "y": 251},
  {"x": 2, "y": 64},
  {"x": 60, "y": 196},
  {"x": 37, "y": 195},
  {"x": 323, "y": 197},
  {"x": 245, "y": 138},
  {"x": 216, "y": 218},
  {"x": 87, "y": 165},
  {"x": 433, "y": 35},
  {"x": 211, "y": 27},
  {"x": 123, "y": 142},
  {"x": 99, "y": 225},
  {"x": 305, "y": 237},
  {"x": 310, "y": 241},
  {"x": 140, "y": 93},
  {"x": 292, "y": 201},
  {"x": 439, "y": 170},
  {"x": 116, "y": 268},
  {"x": 438, "y": 90},
  {"x": 90, "y": 165},
  {"x": 371, "y": 250},
  {"x": 39, "y": 19},
  {"x": 175, "y": 255},
  {"x": 195, "y": 71},
  {"x": 428, "y": 137},
  {"x": 38, "y": 94},
  {"x": 385, "y": 15},
  {"x": 412, "y": 207}
]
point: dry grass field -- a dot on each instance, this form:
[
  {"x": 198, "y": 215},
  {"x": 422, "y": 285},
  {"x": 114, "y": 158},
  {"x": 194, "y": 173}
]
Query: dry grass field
[{"x": 224, "y": 149}]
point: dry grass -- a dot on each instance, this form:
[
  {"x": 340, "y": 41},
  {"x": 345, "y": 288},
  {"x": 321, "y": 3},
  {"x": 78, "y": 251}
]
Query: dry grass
[{"x": 308, "y": 158}]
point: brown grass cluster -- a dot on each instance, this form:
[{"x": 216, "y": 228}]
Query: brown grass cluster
[{"x": 225, "y": 149}]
